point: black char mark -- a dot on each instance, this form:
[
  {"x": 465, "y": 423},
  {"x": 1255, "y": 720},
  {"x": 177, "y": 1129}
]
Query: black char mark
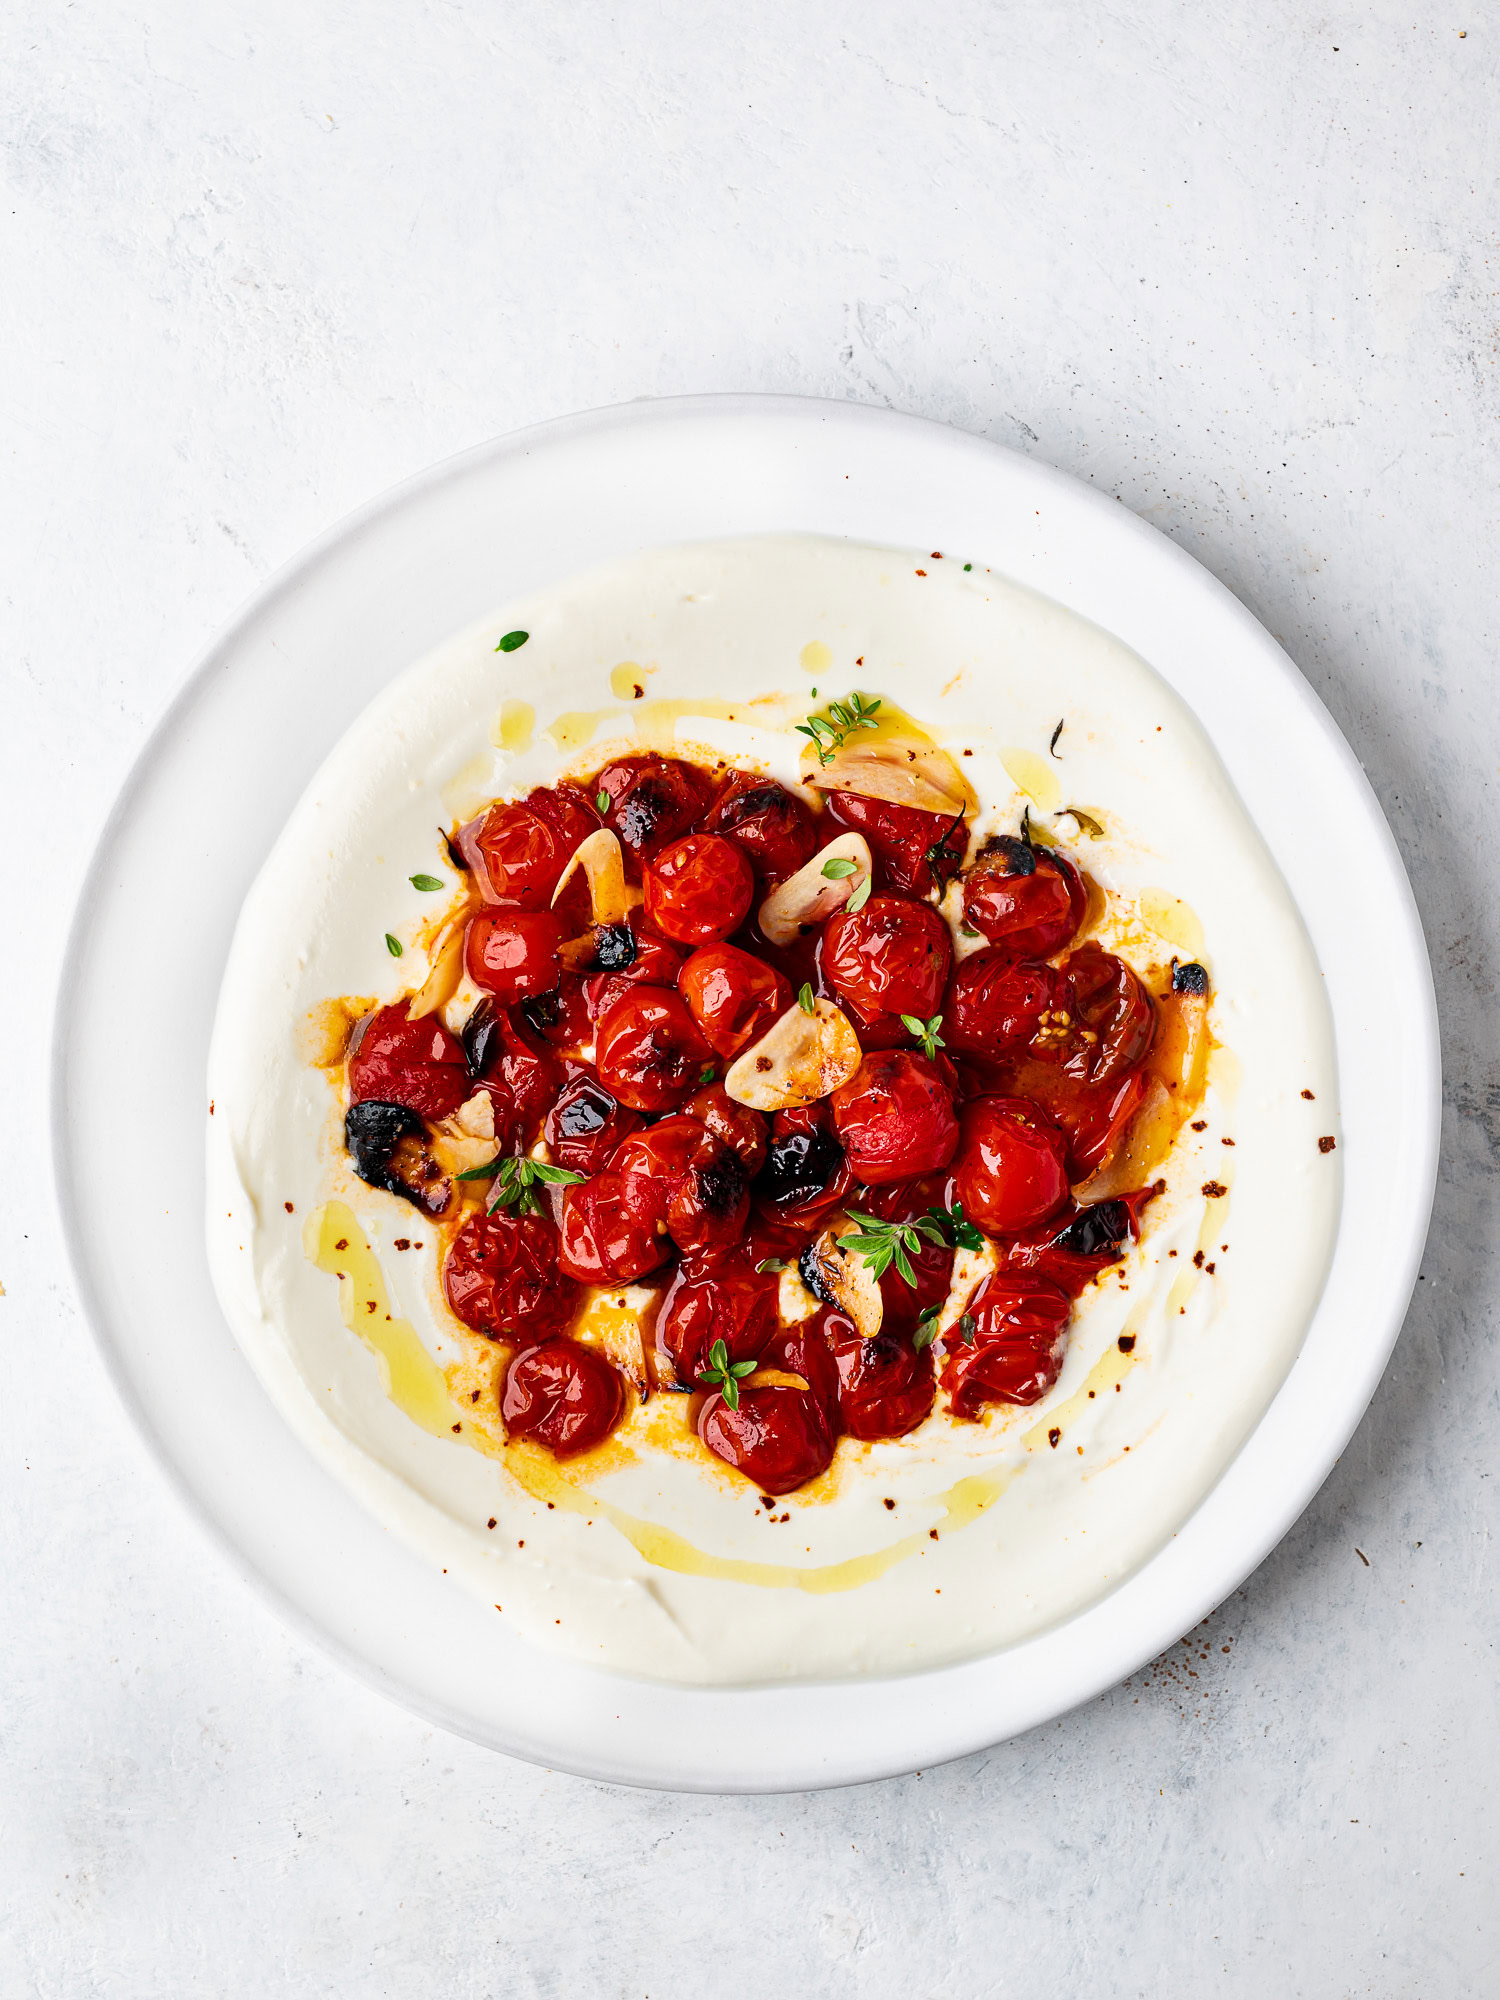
[
  {"x": 810, "y": 1271},
  {"x": 388, "y": 1149},
  {"x": 1016, "y": 857},
  {"x": 801, "y": 1164},
  {"x": 642, "y": 812},
  {"x": 481, "y": 1038},
  {"x": 1189, "y": 978},
  {"x": 1093, "y": 1231}
]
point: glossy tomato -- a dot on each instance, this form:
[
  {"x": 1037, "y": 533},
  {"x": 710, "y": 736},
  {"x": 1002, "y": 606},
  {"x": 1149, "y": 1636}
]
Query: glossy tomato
[
  {"x": 513, "y": 953},
  {"x": 652, "y": 802},
  {"x": 895, "y": 1117},
  {"x": 1095, "y": 1116},
  {"x": 564, "y": 1395},
  {"x": 501, "y": 1277},
  {"x": 778, "y": 1438},
  {"x": 628, "y": 955},
  {"x": 1107, "y": 1018},
  {"x": 520, "y": 848},
  {"x": 1014, "y": 1351},
  {"x": 915, "y": 851},
  {"x": 1074, "y": 1248},
  {"x": 587, "y": 1124},
  {"x": 804, "y": 1350},
  {"x": 736, "y": 1124},
  {"x": 561, "y": 1018},
  {"x": 1026, "y": 900},
  {"x": 733, "y": 996},
  {"x": 414, "y": 1063},
  {"x": 1011, "y": 1172},
  {"x": 891, "y": 957},
  {"x": 515, "y": 1066},
  {"x": 886, "y": 1386},
  {"x": 994, "y": 1005},
  {"x": 770, "y": 823},
  {"x": 806, "y": 1172},
  {"x": 649, "y": 1051},
  {"x": 689, "y": 1181},
  {"x": 730, "y": 1303},
  {"x": 699, "y": 890},
  {"x": 604, "y": 1238}
]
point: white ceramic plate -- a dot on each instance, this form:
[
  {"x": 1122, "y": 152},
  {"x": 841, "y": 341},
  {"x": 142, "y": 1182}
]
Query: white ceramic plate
[{"x": 210, "y": 794}]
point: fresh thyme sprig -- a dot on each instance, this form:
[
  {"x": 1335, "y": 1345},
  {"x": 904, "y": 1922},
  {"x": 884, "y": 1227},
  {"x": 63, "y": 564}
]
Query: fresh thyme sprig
[
  {"x": 843, "y": 718},
  {"x": 726, "y": 1375},
  {"x": 926, "y": 1032},
  {"x": 517, "y": 1182},
  {"x": 956, "y": 1227},
  {"x": 882, "y": 1244}
]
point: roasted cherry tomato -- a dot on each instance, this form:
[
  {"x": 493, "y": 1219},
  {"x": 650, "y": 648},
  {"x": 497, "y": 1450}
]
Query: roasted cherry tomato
[
  {"x": 605, "y": 1240},
  {"x": 804, "y": 1350},
  {"x": 733, "y": 996},
  {"x": 649, "y": 1051},
  {"x": 415, "y": 1063},
  {"x": 1073, "y": 1248},
  {"x": 726, "y": 1302},
  {"x": 779, "y": 1437},
  {"x": 994, "y": 1005},
  {"x": 699, "y": 890},
  {"x": 519, "y": 1071},
  {"x": 587, "y": 1125},
  {"x": 513, "y": 953},
  {"x": 806, "y": 1172},
  {"x": 886, "y": 1385},
  {"x": 501, "y": 1277},
  {"x": 1027, "y": 900},
  {"x": 1011, "y": 1172},
  {"x": 770, "y": 823},
  {"x": 564, "y": 1395},
  {"x": 1014, "y": 1353},
  {"x": 891, "y": 957},
  {"x": 1108, "y": 1018},
  {"x": 561, "y": 1017},
  {"x": 627, "y": 955},
  {"x": 916, "y": 851},
  {"x": 520, "y": 848},
  {"x": 652, "y": 802},
  {"x": 688, "y": 1180},
  {"x": 895, "y": 1117},
  {"x": 736, "y": 1124}
]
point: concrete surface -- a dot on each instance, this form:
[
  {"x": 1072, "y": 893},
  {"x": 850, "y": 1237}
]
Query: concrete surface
[{"x": 1238, "y": 266}]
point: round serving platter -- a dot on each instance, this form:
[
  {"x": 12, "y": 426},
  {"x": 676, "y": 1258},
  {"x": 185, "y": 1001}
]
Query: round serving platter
[{"x": 231, "y": 757}]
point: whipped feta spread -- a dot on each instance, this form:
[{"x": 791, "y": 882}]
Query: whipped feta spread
[{"x": 648, "y": 1556}]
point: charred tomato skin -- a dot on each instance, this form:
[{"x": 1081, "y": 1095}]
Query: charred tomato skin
[
  {"x": 1111, "y": 1018},
  {"x": 699, "y": 890},
  {"x": 587, "y": 1125},
  {"x": 513, "y": 953},
  {"x": 415, "y": 1063},
  {"x": 895, "y": 1117},
  {"x": 603, "y": 1237},
  {"x": 806, "y": 1171},
  {"x": 771, "y": 824},
  {"x": 733, "y": 996},
  {"x": 1011, "y": 1172},
  {"x": 509, "y": 1061},
  {"x": 501, "y": 1277},
  {"x": 736, "y": 1124},
  {"x": 652, "y": 802},
  {"x": 893, "y": 956},
  {"x": 685, "y": 1178},
  {"x": 779, "y": 1438},
  {"x": 1015, "y": 1354},
  {"x": 1028, "y": 901},
  {"x": 562, "y": 1395},
  {"x": 1073, "y": 1248},
  {"x": 915, "y": 851},
  {"x": 711, "y": 1300},
  {"x": 649, "y": 1051},
  {"x": 995, "y": 1004},
  {"x": 886, "y": 1386},
  {"x": 387, "y": 1147}
]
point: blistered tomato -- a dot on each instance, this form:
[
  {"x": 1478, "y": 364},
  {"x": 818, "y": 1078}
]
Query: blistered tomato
[
  {"x": 779, "y": 1437},
  {"x": 732, "y": 1304},
  {"x": 1027, "y": 900},
  {"x": 652, "y": 802},
  {"x": 895, "y": 1117},
  {"x": 771, "y": 824},
  {"x": 513, "y": 953},
  {"x": 891, "y": 957},
  {"x": 736, "y": 1124},
  {"x": 733, "y": 996},
  {"x": 1073, "y": 1248},
  {"x": 886, "y": 1385},
  {"x": 565, "y": 1396},
  {"x": 806, "y": 1171},
  {"x": 604, "y": 1238},
  {"x": 501, "y": 1277},
  {"x": 1107, "y": 1022},
  {"x": 699, "y": 890},
  {"x": 1011, "y": 1171},
  {"x": 414, "y": 1063},
  {"x": 649, "y": 1051},
  {"x": 627, "y": 955},
  {"x": 587, "y": 1124},
  {"x": 1013, "y": 1353},
  {"x": 916, "y": 851},
  {"x": 994, "y": 1006},
  {"x": 561, "y": 1017},
  {"x": 687, "y": 1180},
  {"x": 519, "y": 1071}
]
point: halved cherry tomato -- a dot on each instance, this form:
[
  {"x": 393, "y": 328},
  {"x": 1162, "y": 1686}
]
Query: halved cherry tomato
[
  {"x": 414, "y": 1063},
  {"x": 886, "y": 1386},
  {"x": 770, "y": 823},
  {"x": 806, "y": 1172},
  {"x": 513, "y": 953},
  {"x": 604, "y": 1238},
  {"x": 1011, "y": 1171},
  {"x": 995, "y": 1005},
  {"x": 652, "y": 802},
  {"x": 519, "y": 1071},
  {"x": 1073, "y": 1248},
  {"x": 699, "y": 890},
  {"x": 587, "y": 1125},
  {"x": 895, "y": 1117},
  {"x": 649, "y": 1051},
  {"x": 916, "y": 851},
  {"x": 779, "y": 1437},
  {"x": 1108, "y": 1018},
  {"x": 1027, "y": 900},
  {"x": 733, "y": 996},
  {"x": 687, "y": 1180},
  {"x": 1014, "y": 1354},
  {"x": 727, "y": 1303},
  {"x": 891, "y": 957},
  {"x": 501, "y": 1277},
  {"x": 736, "y": 1124},
  {"x": 564, "y": 1395}
]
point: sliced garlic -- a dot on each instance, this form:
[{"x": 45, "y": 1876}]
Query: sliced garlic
[
  {"x": 810, "y": 896},
  {"x": 476, "y": 1116},
  {"x": 902, "y": 771},
  {"x": 794, "y": 1302},
  {"x": 799, "y": 1059},
  {"x": 970, "y": 1269},
  {"x": 444, "y": 972},
  {"x": 845, "y": 1281},
  {"x": 602, "y": 862}
]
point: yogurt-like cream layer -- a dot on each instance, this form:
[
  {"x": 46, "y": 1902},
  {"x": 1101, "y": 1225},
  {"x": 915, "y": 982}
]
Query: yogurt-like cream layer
[{"x": 649, "y": 1557}]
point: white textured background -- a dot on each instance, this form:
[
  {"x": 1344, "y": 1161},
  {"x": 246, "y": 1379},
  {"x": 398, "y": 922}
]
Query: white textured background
[{"x": 1237, "y": 265}]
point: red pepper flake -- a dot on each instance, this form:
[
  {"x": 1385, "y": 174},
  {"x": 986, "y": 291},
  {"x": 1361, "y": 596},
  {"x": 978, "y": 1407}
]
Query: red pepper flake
[
  {"x": 1309, "y": 1096},
  {"x": 1327, "y": 1144},
  {"x": 1226, "y": 1142},
  {"x": 860, "y": 661},
  {"x": 473, "y": 1395},
  {"x": 490, "y": 1524},
  {"x": 1126, "y": 1343},
  {"x": 1363, "y": 1557},
  {"x": 402, "y": 1243},
  {"x": 921, "y": 572},
  {"x": 369, "y": 1305},
  {"x": 932, "y": 1534},
  {"x": 210, "y": 1107},
  {"x": 1198, "y": 1260},
  {"x": 458, "y": 1427},
  {"x": 768, "y": 1503},
  {"x": 1215, "y": 1190},
  {"x": 890, "y": 1506},
  {"x": 288, "y": 1207},
  {"x": 1200, "y": 1124},
  {"x": 1054, "y": 1438},
  {"x": 342, "y": 1244},
  {"x": 937, "y": 555}
]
